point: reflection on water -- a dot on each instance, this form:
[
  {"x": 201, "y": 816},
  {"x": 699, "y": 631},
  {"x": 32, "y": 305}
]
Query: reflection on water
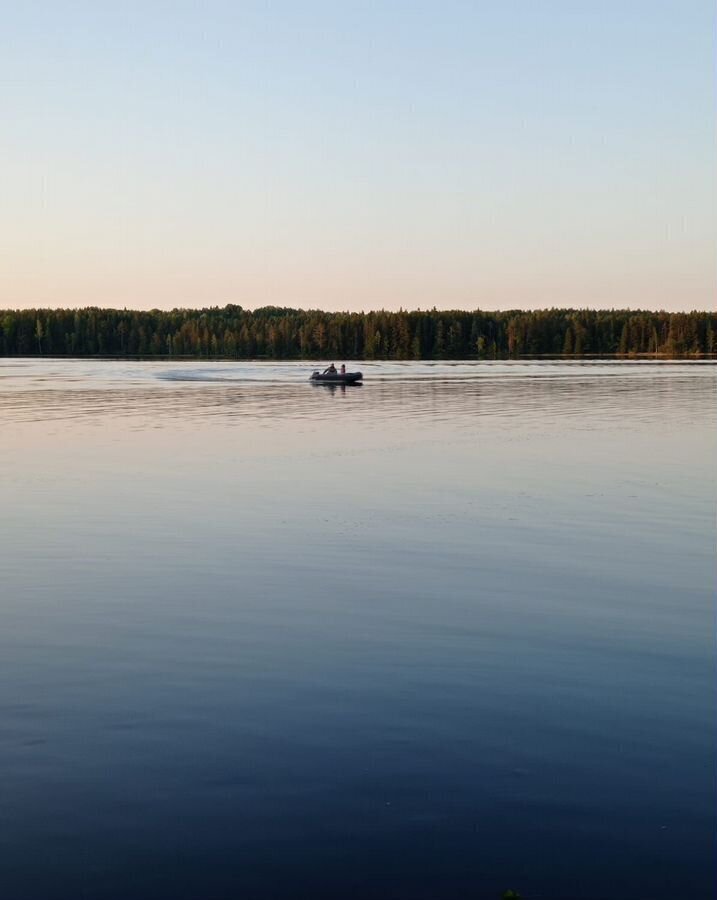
[
  {"x": 435, "y": 636},
  {"x": 39, "y": 390}
]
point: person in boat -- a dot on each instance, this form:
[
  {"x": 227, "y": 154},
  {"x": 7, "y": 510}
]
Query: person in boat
[
  {"x": 330, "y": 370},
  {"x": 343, "y": 368}
]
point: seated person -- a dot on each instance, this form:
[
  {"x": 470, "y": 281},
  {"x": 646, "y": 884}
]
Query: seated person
[
  {"x": 343, "y": 369},
  {"x": 331, "y": 370}
]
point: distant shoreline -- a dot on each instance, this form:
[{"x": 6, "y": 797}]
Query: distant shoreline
[
  {"x": 274, "y": 333},
  {"x": 558, "y": 357}
]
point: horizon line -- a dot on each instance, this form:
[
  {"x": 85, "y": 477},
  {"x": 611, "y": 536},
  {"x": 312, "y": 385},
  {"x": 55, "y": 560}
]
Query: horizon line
[{"x": 360, "y": 312}]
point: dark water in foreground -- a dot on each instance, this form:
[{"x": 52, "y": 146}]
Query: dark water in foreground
[{"x": 444, "y": 634}]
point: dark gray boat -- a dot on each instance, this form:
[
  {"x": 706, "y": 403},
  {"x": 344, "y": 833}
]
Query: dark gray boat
[{"x": 337, "y": 377}]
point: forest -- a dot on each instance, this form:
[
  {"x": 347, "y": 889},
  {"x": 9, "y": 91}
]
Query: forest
[{"x": 280, "y": 333}]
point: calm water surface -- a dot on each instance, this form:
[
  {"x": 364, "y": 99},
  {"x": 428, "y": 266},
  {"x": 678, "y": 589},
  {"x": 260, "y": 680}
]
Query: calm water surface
[{"x": 443, "y": 634}]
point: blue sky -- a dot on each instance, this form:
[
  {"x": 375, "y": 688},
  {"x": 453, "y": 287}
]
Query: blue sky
[{"x": 358, "y": 155}]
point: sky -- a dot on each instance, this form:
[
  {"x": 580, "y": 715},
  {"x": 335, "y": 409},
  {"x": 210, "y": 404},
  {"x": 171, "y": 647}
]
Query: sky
[{"x": 341, "y": 155}]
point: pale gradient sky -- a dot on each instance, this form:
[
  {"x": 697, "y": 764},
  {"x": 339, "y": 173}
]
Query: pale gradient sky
[{"x": 514, "y": 153}]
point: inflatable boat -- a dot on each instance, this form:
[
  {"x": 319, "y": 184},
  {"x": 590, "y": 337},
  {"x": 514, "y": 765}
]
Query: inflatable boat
[{"x": 336, "y": 377}]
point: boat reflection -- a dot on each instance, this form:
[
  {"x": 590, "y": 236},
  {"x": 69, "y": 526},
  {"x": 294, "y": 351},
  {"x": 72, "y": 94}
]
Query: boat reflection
[{"x": 333, "y": 387}]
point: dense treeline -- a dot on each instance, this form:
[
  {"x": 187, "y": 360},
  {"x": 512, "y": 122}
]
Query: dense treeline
[{"x": 278, "y": 333}]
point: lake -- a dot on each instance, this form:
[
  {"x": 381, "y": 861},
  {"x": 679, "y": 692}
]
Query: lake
[{"x": 440, "y": 635}]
